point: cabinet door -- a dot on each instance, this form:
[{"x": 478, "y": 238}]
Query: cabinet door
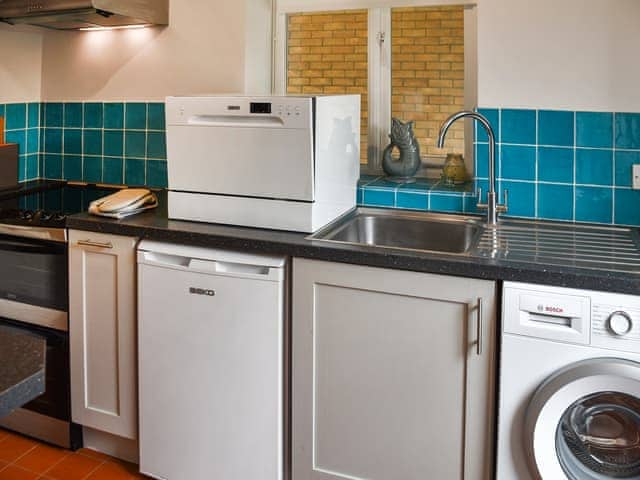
[
  {"x": 388, "y": 379},
  {"x": 102, "y": 326}
]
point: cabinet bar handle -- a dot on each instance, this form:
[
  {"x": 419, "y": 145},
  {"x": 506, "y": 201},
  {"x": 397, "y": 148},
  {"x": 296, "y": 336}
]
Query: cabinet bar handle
[
  {"x": 89, "y": 243},
  {"x": 479, "y": 327}
]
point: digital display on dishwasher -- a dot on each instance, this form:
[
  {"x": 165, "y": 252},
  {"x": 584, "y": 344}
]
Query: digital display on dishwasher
[{"x": 256, "y": 107}]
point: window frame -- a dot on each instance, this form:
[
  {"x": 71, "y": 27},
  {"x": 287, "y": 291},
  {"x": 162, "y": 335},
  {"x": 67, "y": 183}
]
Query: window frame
[{"x": 379, "y": 65}]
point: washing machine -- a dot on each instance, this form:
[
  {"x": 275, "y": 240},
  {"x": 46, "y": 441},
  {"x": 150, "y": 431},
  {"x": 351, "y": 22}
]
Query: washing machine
[{"x": 569, "y": 385}]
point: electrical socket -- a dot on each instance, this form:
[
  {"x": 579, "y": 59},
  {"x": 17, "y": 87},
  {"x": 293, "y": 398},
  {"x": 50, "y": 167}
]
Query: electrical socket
[{"x": 635, "y": 175}]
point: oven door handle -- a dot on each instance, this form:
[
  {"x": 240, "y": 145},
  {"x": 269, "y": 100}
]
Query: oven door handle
[{"x": 21, "y": 246}]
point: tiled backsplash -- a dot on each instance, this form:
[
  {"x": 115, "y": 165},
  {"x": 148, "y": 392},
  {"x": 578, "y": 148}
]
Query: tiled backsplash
[
  {"x": 558, "y": 165},
  {"x": 22, "y": 126},
  {"x": 121, "y": 143}
]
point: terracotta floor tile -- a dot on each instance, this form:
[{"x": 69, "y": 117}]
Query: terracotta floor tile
[
  {"x": 41, "y": 458},
  {"x": 13, "y": 446},
  {"x": 15, "y": 473},
  {"x": 112, "y": 471},
  {"x": 73, "y": 467},
  {"x": 87, "y": 452}
]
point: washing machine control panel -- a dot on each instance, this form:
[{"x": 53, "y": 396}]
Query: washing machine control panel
[{"x": 615, "y": 326}]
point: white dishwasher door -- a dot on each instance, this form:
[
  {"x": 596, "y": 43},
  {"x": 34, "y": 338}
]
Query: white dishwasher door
[{"x": 211, "y": 329}]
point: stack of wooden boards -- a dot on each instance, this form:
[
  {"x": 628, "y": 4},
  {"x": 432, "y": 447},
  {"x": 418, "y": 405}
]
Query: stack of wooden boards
[{"x": 8, "y": 160}]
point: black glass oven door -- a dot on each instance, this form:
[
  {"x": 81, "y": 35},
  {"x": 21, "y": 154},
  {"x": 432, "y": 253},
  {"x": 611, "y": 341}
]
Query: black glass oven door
[{"x": 33, "y": 273}]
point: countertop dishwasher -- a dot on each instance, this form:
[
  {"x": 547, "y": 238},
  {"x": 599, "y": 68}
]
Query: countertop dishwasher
[{"x": 212, "y": 363}]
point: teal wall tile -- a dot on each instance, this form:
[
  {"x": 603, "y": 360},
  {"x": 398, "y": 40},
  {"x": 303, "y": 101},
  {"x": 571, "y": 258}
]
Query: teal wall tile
[
  {"x": 594, "y": 204},
  {"x": 555, "y": 164},
  {"x": 72, "y": 167},
  {"x": 114, "y": 115},
  {"x": 156, "y": 116},
  {"x": 15, "y": 116},
  {"x": 594, "y": 167},
  {"x": 412, "y": 200},
  {"x": 33, "y": 115},
  {"x": 594, "y": 129},
  {"x": 556, "y": 128},
  {"x": 33, "y": 166},
  {"x": 555, "y": 202},
  {"x": 53, "y": 115},
  {"x": 92, "y": 142},
  {"x": 135, "y": 116},
  {"x": 93, "y": 115},
  {"x": 380, "y": 198},
  {"x": 33, "y": 140},
  {"x": 92, "y": 169},
  {"x": 628, "y": 130},
  {"x": 113, "y": 170},
  {"x": 157, "y": 173},
  {"x": 518, "y": 163},
  {"x": 114, "y": 143},
  {"x": 53, "y": 166},
  {"x": 627, "y": 207},
  {"x": 156, "y": 145},
  {"x": 446, "y": 203},
  {"x": 72, "y": 141},
  {"x": 134, "y": 172},
  {"x": 73, "y": 115},
  {"x": 53, "y": 140},
  {"x": 135, "y": 144},
  {"x": 518, "y": 126}
]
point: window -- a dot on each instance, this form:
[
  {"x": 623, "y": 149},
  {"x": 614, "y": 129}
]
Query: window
[{"x": 411, "y": 61}]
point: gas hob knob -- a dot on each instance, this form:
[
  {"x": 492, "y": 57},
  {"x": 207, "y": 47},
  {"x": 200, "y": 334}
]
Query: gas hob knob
[
  {"x": 26, "y": 215},
  {"x": 620, "y": 323}
]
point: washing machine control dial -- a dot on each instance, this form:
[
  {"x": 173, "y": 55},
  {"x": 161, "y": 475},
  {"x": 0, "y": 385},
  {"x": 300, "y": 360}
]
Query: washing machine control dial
[{"x": 620, "y": 323}]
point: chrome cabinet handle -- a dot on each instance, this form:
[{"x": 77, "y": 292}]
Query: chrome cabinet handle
[
  {"x": 89, "y": 243},
  {"x": 479, "y": 327}
]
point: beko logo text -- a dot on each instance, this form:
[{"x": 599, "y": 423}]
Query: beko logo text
[{"x": 202, "y": 291}]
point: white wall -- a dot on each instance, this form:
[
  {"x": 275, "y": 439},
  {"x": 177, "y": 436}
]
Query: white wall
[
  {"x": 20, "y": 64},
  {"x": 201, "y": 51},
  {"x": 561, "y": 54}
]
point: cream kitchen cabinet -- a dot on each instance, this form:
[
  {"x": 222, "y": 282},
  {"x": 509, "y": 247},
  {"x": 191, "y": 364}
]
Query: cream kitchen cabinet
[
  {"x": 393, "y": 374},
  {"x": 102, "y": 325}
]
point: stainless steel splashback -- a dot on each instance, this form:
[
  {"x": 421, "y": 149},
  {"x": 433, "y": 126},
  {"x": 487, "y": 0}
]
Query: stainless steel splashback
[{"x": 76, "y": 14}]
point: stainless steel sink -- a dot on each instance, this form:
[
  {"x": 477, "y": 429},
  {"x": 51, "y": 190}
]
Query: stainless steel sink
[{"x": 453, "y": 234}]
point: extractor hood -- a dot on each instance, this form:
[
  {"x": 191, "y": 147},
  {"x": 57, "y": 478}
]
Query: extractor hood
[{"x": 77, "y": 14}]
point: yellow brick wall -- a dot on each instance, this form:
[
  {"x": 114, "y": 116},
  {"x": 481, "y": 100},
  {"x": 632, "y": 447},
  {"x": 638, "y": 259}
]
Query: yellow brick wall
[
  {"x": 427, "y": 45},
  {"x": 327, "y": 53}
]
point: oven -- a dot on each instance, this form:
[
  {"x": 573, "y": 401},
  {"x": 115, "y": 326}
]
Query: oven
[{"x": 34, "y": 298}]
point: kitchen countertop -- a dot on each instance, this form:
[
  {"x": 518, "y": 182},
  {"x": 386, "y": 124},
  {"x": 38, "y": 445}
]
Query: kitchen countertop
[
  {"x": 22, "y": 368},
  {"x": 155, "y": 225}
]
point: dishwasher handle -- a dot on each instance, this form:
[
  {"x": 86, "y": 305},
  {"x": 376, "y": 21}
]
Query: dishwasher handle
[{"x": 212, "y": 267}]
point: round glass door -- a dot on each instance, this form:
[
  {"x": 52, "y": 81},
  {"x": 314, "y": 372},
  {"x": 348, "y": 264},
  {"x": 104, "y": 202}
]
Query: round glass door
[
  {"x": 583, "y": 422},
  {"x": 599, "y": 437}
]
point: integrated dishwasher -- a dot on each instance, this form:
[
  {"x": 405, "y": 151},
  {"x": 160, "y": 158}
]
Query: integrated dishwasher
[{"x": 212, "y": 363}]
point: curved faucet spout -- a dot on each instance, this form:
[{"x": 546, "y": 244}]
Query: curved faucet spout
[{"x": 491, "y": 205}]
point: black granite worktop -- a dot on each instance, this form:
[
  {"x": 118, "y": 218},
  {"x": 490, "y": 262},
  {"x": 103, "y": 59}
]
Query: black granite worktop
[
  {"x": 22, "y": 368},
  {"x": 155, "y": 225}
]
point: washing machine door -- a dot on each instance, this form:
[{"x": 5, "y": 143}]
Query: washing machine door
[{"x": 583, "y": 423}]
